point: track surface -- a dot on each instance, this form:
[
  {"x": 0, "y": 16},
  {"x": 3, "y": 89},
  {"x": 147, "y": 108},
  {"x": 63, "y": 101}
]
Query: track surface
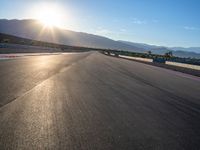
[{"x": 89, "y": 101}]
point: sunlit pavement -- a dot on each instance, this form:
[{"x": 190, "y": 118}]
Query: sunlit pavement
[
  {"x": 92, "y": 101},
  {"x": 21, "y": 55}
]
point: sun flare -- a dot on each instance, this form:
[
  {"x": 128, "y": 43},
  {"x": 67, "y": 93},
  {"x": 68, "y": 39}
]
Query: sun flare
[{"x": 50, "y": 15}]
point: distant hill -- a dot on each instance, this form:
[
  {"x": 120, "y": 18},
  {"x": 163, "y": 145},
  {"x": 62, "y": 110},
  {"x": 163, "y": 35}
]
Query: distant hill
[
  {"x": 193, "y": 52},
  {"x": 152, "y": 47},
  {"x": 141, "y": 45},
  {"x": 189, "y": 49},
  {"x": 14, "y": 44},
  {"x": 33, "y": 29}
]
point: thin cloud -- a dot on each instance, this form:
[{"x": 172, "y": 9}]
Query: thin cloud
[
  {"x": 190, "y": 28},
  {"x": 138, "y": 21}
]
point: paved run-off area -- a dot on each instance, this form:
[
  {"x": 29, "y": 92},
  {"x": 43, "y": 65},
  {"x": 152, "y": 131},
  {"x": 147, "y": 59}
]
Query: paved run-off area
[{"x": 89, "y": 101}]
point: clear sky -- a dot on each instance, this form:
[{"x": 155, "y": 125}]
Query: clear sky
[{"x": 159, "y": 22}]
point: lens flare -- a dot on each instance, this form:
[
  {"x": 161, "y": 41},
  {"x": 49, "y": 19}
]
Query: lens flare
[{"x": 49, "y": 15}]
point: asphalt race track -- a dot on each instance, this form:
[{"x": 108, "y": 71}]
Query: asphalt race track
[{"x": 89, "y": 101}]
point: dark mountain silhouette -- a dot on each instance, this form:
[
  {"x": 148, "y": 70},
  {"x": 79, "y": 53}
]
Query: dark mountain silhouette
[{"x": 33, "y": 29}]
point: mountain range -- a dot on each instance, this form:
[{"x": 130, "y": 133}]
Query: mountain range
[
  {"x": 154, "y": 47},
  {"x": 33, "y": 29}
]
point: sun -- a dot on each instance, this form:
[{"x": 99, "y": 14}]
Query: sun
[
  {"x": 50, "y": 18},
  {"x": 49, "y": 15},
  {"x": 48, "y": 22}
]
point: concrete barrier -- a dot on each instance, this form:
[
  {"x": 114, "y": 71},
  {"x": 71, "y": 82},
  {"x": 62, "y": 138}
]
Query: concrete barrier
[
  {"x": 137, "y": 58},
  {"x": 196, "y": 67},
  {"x": 112, "y": 54}
]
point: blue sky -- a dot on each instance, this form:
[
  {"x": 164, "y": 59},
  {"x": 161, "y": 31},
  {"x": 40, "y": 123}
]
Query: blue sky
[{"x": 159, "y": 22}]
